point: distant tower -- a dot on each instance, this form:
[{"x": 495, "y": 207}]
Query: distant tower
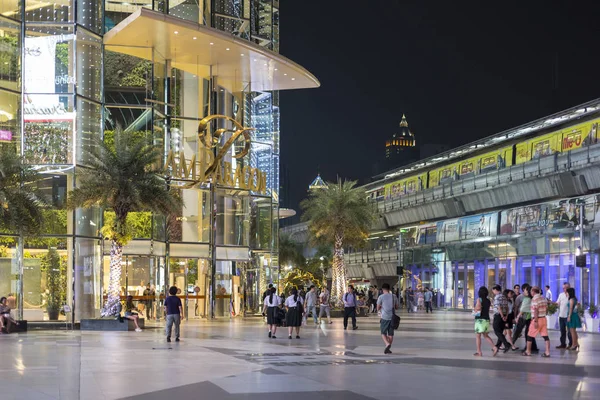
[
  {"x": 401, "y": 149},
  {"x": 317, "y": 183}
]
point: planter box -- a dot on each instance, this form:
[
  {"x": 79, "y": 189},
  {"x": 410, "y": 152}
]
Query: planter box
[
  {"x": 109, "y": 324},
  {"x": 591, "y": 324},
  {"x": 552, "y": 321}
]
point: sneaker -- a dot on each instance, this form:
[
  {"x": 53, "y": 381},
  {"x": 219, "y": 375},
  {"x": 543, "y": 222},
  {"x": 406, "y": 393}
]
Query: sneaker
[
  {"x": 289, "y": 337},
  {"x": 168, "y": 339},
  {"x": 355, "y": 328},
  {"x": 138, "y": 330},
  {"x": 297, "y": 336},
  {"x": 269, "y": 333},
  {"x": 562, "y": 346},
  {"x": 177, "y": 339},
  {"x": 273, "y": 337},
  {"x": 387, "y": 350}
]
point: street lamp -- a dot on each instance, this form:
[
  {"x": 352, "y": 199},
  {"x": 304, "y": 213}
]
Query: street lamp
[{"x": 322, "y": 258}]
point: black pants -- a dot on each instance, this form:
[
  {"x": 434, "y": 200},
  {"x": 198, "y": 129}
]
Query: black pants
[
  {"x": 350, "y": 312},
  {"x": 528, "y": 338},
  {"x": 499, "y": 326},
  {"x": 564, "y": 332},
  {"x": 428, "y": 306}
]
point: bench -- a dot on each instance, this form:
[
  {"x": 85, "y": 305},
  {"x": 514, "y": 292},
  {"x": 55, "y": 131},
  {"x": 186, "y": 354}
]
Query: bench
[
  {"x": 22, "y": 327},
  {"x": 109, "y": 325}
]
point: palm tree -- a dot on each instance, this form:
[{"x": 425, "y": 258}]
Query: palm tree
[
  {"x": 338, "y": 215},
  {"x": 123, "y": 177},
  {"x": 20, "y": 202},
  {"x": 290, "y": 253}
]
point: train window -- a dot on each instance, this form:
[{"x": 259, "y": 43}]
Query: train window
[{"x": 542, "y": 149}]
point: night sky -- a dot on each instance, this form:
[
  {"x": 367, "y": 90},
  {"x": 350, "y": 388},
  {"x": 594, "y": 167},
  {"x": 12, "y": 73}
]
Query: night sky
[{"x": 458, "y": 72}]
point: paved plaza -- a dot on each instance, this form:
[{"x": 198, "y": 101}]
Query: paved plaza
[{"x": 432, "y": 359}]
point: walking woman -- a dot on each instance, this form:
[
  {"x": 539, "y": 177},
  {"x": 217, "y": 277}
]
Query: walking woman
[
  {"x": 295, "y": 311},
  {"x": 525, "y": 315},
  {"x": 573, "y": 320},
  {"x": 482, "y": 321},
  {"x": 508, "y": 328},
  {"x": 272, "y": 303}
]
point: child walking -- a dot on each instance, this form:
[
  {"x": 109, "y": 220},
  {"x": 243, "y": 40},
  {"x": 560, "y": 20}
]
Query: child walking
[{"x": 174, "y": 311}]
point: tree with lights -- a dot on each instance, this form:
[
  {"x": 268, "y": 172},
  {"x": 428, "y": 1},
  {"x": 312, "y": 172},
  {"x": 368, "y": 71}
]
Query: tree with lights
[
  {"x": 123, "y": 177},
  {"x": 338, "y": 215}
]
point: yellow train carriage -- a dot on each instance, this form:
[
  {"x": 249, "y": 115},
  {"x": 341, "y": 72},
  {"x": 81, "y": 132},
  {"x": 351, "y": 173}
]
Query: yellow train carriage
[
  {"x": 570, "y": 138},
  {"x": 481, "y": 163},
  {"x": 407, "y": 185}
]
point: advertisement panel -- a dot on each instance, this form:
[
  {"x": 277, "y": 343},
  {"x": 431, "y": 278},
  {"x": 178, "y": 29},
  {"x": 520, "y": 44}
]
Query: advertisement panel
[
  {"x": 549, "y": 216},
  {"x": 467, "y": 228}
]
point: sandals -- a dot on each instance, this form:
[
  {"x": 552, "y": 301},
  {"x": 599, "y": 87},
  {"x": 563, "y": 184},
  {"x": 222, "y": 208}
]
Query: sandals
[
  {"x": 544, "y": 355},
  {"x": 495, "y": 350},
  {"x": 525, "y": 354},
  {"x": 478, "y": 354}
]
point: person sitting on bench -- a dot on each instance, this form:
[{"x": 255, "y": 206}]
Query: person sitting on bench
[
  {"x": 130, "y": 313},
  {"x": 5, "y": 318}
]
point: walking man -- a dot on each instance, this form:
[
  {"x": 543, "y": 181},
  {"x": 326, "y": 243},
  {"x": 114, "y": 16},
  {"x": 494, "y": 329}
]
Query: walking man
[
  {"x": 350, "y": 307},
  {"x": 548, "y": 293},
  {"x": 539, "y": 306},
  {"x": 563, "y": 313},
  {"x": 410, "y": 299},
  {"x": 311, "y": 303},
  {"x": 324, "y": 305},
  {"x": 387, "y": 303},
  {"x": 428, "y": 296},
  {"x": 500, "y": 317},
  {"x": 174, "y": 311}
]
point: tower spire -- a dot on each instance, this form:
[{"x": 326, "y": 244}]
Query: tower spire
[{"x": 404, "y": 122}]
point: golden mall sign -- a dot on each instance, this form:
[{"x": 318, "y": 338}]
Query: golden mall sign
[{"x": 210, "y": 168}]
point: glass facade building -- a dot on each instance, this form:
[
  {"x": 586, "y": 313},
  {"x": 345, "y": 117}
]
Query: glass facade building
[{"x": 63, "y": 84}]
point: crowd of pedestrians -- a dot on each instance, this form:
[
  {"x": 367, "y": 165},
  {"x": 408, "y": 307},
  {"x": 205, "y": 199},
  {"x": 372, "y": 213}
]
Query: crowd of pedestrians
[{"x": 524, "y": 308}]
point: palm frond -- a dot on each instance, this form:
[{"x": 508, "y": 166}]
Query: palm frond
[
  {"x": 124, "y": 178},
  {"x": 340, "y": 210}
]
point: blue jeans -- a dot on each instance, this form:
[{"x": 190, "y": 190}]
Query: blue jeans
[
  {"x": 313, "y": 310},
  {"x": 173, "y": 319},
  {"x": 564, "y": 332}
]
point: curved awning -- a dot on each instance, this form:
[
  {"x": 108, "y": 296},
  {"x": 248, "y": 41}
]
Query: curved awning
[{"x": 237, "y": 63}]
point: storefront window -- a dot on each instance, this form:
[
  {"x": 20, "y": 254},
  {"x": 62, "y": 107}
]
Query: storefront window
[
  {"x": 89, "y": 65},
  {"x": 10, "y": 118},
  {"x": 10, "y": 52},
  {"x": 89, "y": 122},
  {"x": 232, "y": 218},
  {"x": 89, "y": 14}
]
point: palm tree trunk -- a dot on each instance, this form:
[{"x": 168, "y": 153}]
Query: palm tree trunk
[
  {"x": 338, "y": 271},
  {"x": 111, "y": 308}
]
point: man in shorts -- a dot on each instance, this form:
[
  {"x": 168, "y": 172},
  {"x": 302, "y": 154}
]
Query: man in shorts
[
  {"x": 539, "y": 307},
  {"x": 387, "y": 303}
]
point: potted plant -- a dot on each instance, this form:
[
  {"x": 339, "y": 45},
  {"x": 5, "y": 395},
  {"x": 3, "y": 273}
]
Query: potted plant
[
  {"x": 54, "y": 298},
  {"x": 551, "y": 315},
  {"x": 592, "y": 322}
]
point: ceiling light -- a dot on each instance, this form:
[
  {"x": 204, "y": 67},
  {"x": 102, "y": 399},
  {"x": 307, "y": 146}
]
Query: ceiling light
[
  {"x": 194, "y": 38},
  {"x": 176, "y": 32},
  {"x": 293, "y": 79},
  {"x": 211, "y": 43},
  {"x": 255, "y": 59},
  {"x": 242, "y": 54},
  {"x": 265, "y": 64},
  {"x": 284, "y": 74},
  {"x": 227, "y": 49},
  {"x": 275, "y": 69}
]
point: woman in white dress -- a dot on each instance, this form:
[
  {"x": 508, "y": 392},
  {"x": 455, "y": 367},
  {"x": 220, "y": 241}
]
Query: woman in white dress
[
  {"x": 295, "y": 311},
  {"x": 271, "y": 308}
]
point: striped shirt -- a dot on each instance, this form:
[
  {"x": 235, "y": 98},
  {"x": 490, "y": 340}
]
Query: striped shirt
[{"x": 540, "y": 304}]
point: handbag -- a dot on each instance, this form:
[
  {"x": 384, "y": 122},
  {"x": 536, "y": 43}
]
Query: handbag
[{"x": 395, "y": 317}]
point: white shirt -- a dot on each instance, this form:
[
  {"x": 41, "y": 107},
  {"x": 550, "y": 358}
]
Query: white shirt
[
  {"x": 563, "y": 304},
  {"x": 290, "y": 302},
  {"x": 275, "y": 303},
  {"x": 548, "y": 295}
]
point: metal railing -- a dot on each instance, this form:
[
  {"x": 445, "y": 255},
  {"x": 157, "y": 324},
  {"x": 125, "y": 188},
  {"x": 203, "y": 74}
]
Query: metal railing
[{"x": 367, "y": 256}]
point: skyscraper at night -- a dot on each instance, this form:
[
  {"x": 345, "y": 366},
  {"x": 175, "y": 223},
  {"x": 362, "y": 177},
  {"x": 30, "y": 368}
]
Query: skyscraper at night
[{"x": 401, "y": 148}]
